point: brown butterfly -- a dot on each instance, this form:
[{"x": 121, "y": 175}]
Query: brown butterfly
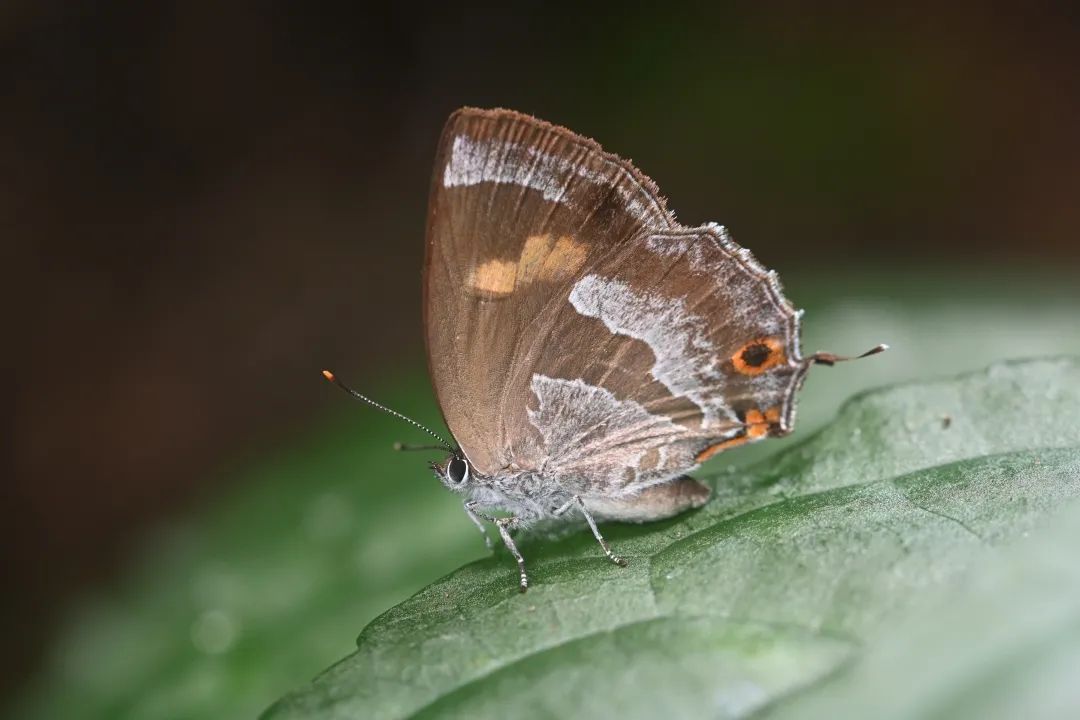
[{"x": 587, "y": 350}]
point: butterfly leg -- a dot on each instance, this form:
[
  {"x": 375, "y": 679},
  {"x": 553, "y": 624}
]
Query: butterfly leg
[
  {"x": 576, "y": 500},
  {"x": 470, "y": 510},
  {"x": 503, "y": 524}
]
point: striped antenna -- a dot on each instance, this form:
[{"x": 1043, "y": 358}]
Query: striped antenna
[{"x": 333, "y": 378}]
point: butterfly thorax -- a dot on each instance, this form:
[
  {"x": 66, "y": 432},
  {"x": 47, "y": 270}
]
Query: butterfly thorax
[{"x": 528, "y": 494}]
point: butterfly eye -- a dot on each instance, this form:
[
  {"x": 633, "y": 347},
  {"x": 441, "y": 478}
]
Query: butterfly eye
[{"x": 457, "y": 470}]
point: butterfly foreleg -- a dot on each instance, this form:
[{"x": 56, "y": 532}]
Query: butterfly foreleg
[
  {"x": 470, "y": 510},
  {"x": 576, "y": 501}
]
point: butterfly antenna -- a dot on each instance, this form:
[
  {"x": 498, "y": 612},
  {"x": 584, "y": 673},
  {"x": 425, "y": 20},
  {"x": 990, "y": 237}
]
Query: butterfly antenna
[
  {"x": 824, "y": 358},
  {"x": 405, "y": 447},
  {"x": 333, "y": 378}
]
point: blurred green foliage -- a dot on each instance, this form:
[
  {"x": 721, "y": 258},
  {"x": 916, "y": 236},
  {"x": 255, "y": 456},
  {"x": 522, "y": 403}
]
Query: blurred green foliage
[{"x": 226, "y": 610}]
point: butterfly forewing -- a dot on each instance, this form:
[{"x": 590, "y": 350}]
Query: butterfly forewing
[{"x": 575, "y": 329}]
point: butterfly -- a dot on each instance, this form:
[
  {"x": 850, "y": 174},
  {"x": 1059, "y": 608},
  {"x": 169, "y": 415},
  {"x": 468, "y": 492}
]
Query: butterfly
[{"x": 587, "y": 350}]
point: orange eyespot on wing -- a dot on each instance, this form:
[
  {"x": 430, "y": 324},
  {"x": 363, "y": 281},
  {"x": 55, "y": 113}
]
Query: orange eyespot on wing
[{"x": 757, "y": 356}]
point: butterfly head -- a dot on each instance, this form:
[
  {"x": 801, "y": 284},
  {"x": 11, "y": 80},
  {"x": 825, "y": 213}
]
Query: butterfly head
[{"x": 454, "y": 472}]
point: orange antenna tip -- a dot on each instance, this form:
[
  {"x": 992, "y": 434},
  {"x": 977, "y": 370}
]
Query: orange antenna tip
[{"x": 328, "y": 375}]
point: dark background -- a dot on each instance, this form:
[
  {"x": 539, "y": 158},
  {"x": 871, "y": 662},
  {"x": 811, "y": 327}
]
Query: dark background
[{"x": 203, "y": 203}]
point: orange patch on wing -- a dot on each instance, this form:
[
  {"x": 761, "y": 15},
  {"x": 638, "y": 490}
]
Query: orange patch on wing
[
  {"x": 494, "y": 279},
  {"x": 757, "y": 356},
  {"x": 758, "y": 425},
  {"x": 542, "y": 259},
  {"x": 565, "y": 259},
  {"x": 530, "y": 264},
  {"x": 720, "y": 447}
]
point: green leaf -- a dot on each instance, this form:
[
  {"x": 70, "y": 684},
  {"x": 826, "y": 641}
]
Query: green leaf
[
  {"x": 1006, "y": 645},
  {"x": 774, "y": 587}
]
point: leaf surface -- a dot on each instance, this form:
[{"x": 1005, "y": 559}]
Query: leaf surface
[{"x": 773, "y": 588}]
